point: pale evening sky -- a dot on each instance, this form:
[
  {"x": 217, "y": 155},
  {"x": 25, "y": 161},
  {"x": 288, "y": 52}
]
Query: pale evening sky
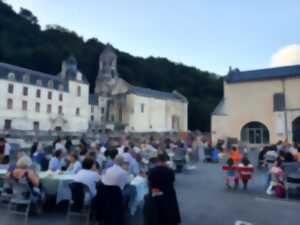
[{"x": 209, "y": 34}]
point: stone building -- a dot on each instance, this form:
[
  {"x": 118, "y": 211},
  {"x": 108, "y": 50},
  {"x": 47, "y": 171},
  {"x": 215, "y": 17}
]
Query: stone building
[
  {"x": 32, "y": 100},
  {"x": 259, "y": 106},
  {"x": 120, "y": 105},
  {"x": 35, "y": 101}
]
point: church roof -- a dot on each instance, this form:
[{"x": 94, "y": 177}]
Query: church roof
[
  {"x": 34, "y": 76},
  {"x": 263, "y": 74},
  {"x": 93, "y": 99},
  {"x": 147, "y": 92}
]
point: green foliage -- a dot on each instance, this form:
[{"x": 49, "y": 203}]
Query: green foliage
[{"x": 23, "y": 43}]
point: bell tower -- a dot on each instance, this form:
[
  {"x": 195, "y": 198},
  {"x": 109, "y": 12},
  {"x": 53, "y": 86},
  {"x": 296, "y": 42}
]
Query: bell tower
[
  {"x": 108, "y": 63},
  {"x": 107, "y": 72}
]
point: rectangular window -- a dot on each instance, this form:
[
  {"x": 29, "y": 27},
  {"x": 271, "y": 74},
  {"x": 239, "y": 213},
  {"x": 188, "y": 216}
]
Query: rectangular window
[
  {"x": 77, "y": 111},
  {"x": 24, "y": 105},
  {"x": 38, "y": 93},
  {"x": 60, "y": 109},
  {"x": 9, "y": 103},
  {"x": 25, "y": 91},
  {"x": 60, "y": 97},
  {"x": 102, "y": 110},
  {"x": 49, "y": 95},
  {"x": 7, "y": 124},
  {"x": 49, "y": 108},
  {"x": 37, "y": 107},
  {"x": 142, "y": 108},
  {"x": 36, "y": 125},
  {"x": 92, "y": 118},
  {"x": 78, "y": 91},
  {"x": 278, "y": 102},
  {"x": 10, "y": 88}
]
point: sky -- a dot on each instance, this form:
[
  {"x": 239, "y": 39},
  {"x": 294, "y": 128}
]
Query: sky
[{"x": 209, "y": 34}]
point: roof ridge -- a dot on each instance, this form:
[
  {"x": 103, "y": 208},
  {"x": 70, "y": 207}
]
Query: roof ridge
[
  {"x": 266, "y": 68},
  {"x": 50, "y": 76}
]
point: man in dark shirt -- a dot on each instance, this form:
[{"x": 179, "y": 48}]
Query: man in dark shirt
[{"x": 161, "y": 207}]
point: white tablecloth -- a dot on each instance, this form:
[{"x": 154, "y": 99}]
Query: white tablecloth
[{"x": 58, "y": 184}]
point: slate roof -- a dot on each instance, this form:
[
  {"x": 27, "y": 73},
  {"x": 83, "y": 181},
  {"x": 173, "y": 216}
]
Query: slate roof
[
  {"x": 147, "y": 92},
  {"x": 93, "y": 99},
  {"x": 263, "y": 74},
  {"x": 19, "y": 72}
]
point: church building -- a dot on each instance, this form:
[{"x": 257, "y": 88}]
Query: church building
[
  {"x": 36, "y": 101},
  {"x": 119, "y": 105},
  {"x": 259, "y": 106}
]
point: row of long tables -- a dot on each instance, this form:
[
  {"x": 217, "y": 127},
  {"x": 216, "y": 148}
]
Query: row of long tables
[{"x": 58, "y": 184}]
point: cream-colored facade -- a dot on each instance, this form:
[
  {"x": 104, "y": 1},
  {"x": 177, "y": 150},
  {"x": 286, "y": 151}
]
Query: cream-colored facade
[
  {"x": 118, "y": 105},
  {"x": 259, "y": 107}
]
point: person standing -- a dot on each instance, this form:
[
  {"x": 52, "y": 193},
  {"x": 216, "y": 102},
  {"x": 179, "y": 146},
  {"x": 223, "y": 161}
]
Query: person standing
[
  {"x": 161, "y": 206},
  {"x": 5, "y": 149}
]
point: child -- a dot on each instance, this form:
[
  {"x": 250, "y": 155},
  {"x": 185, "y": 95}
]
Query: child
[
  {"x": 231, "y": 174},
  {"x": 235, "y": 155},
  {"x": 277, "y": 177},
  {"x": 246, "y": 170}
]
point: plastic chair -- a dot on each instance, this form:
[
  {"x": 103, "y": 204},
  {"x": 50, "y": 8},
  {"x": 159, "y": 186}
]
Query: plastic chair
[
  {"x": 21, "y": 200},
  {"x": 78, "y": 205},
  {"x": 6, "y": 191}
]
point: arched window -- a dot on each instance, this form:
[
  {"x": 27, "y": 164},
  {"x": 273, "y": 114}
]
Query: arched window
[
  {"x": 255, "y": 133},
  {"x": 11, "y": 76},
  {"x": 50, "y": 84},
  {"x": 39, "y": 82},
  {"x": 26, "y": 78}
]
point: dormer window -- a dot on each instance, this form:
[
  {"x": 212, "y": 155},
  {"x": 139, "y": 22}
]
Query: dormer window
[
  {"x": 39, "y": 83},
  {"x": 11, "y": 76},
  {"x": 26, "y": 78},
  {"x": 50, "y": 84},
  {"x": 78, "y": 76}
]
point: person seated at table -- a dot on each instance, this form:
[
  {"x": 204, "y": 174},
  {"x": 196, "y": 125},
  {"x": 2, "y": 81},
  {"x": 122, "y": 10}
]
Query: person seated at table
[
  {"x": 55, "y": 163},
  {"x": 110, "y": 155},
  {"x": 245, "y": 171},
  {"x": 39, "y": 156},
  {"x": 83, "y": 151},
  {"x": 74, "y": 163},
  {"x": 118, "y": 175},
  {"x": 231, "y": 175},
  {"x": 129, "y": 156},
  {"x": 24, "y": 173},
  {"x": 88, "y": 176},
  {"x": 277, "y": 176},
  {"x": 235, "y": 154},
  {"x": 59, "y": 145},
  {"x": 5, "y": 149}
]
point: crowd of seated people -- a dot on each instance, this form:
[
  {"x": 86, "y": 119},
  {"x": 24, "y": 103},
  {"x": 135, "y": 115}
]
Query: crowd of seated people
[{"x": 95, "y": 163}]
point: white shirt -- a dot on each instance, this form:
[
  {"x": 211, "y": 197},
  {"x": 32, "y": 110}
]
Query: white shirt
[
  {"x": 74, "y": 167},
  {"x": 116, "y": 175},
  {"x": 60, "y": 146},
  {"x": 121, "y": 150},
  {"x": 89, "y": 178},
  {"x": 7, "y": 149}
]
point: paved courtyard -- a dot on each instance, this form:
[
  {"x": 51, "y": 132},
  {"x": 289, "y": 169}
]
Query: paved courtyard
[{"x": 204, "y": 200}]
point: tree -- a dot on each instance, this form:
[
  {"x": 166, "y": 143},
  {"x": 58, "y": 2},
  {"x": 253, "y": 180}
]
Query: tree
[{"x": 28, "y": 15}]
